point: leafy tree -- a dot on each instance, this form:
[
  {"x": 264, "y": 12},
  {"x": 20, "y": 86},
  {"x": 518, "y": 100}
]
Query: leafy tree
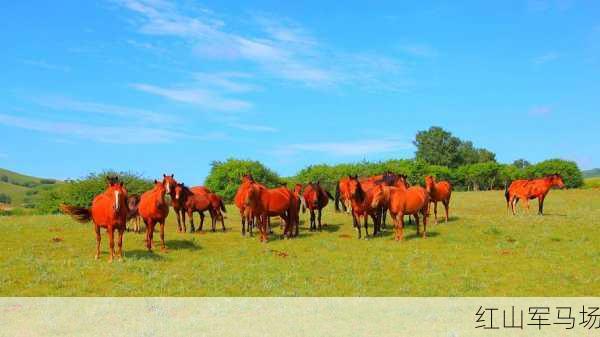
[
  {"x": 225, "y": 177},
  {"x": 4, "y": 178},
  {"x": 521, "y": 163},
  {"x": 438, "y": 147},
  {"x": 5, "y": 198}
]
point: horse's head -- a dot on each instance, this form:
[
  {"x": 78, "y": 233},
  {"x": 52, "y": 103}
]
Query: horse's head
[
  {"x": 118, "y": 191},
  {"x": 389, "y": 178},
  {"x": 378, "y": 195},
  {"x": 247, "y": 178},
  {"x": 355, "y": 189},
  {"x": 180, "y": 191},
  {"x": 429, "y": 183},
  {"x": 160, "y": 188},
  {"x": 253, "y": 195},
  {"x": 111, "y": 180},
  {"x": 169, "y": 182},
  {"x": 556, "y": 180},
  {"x": 298, "y": 188},
  {"x": 133, "y": 201},
  {"x": 402, "y": 181},
  {"x": 311, "y": 195}
]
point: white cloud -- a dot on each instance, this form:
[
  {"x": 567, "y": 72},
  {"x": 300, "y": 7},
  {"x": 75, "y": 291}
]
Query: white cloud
[
  {"x": 228, "y": 81},
  {"x": 200, "y": 97},
  {"x": 540, "y": 111},
  {"x": 104, "y": 134},
  {"x": 351, "y": 148},
  {"x": 545, "y": 58},
  {"x": 253, "y": 127},
  {"x": 65, "y": 103}
]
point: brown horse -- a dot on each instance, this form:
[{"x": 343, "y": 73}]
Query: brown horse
[
  {"x": 527, "y": 189},
  {"x": 342, "y": 195},
  {"x": 132, "y": 212},
  {"x": 264, "y": 203},
  {"x": 362, "y": 206},
  {"x": 178, "y": 204},
  {"x": 154, "y": 210},
  {"x": 315, "y": 199},
  {"x": 108, "y": 210},
  {"x": 240, "y": 201},
  {"x": 201, "y": 203},
  {"x": 438, "y": 191},
  {"x": 401, "y": 201}
]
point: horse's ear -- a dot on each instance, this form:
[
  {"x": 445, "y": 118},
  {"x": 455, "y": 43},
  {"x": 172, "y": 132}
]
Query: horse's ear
[
  {"x": 155, "y": 181},
  {"x": 319, "y": 182},
  {"x": 121, "y": 183},
  {"x": 172, "y": 175}
]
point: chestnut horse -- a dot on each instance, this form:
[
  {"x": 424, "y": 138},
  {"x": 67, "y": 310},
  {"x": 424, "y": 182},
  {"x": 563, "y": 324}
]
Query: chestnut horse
[
  {"x": 240, "y": 201},
  {"x": 132, "y": 212},
  {"x": 403, "y": 201},
  {"x": 154, "y": 210},
  {"x": 362, "y": 206},
  {"x": 108, "y": 210},
  {"x": 342, "y": 195},
  {"x": 531, "y": 189},
  {"x": 315, "y": 199},
  {"x": 177, "y": 202},
  {"x": 263, "y": 203},
  {"x": 438, "y": 191}
]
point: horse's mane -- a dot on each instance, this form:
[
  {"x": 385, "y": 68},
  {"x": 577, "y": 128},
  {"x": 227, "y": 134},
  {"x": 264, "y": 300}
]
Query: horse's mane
[{"x": 360, "y": 193}]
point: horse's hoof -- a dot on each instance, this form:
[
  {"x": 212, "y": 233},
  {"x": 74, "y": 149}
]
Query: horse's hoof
[{"x": 96, "y": 257}]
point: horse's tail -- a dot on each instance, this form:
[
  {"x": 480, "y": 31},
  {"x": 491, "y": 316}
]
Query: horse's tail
[
  {"x": 222, "y": 206},
  {"x": 337, "y": 197},
  {"x": 79, "y": 214},
  {"x": 329, "y": 195},
  {"x": 506, "y": 194}
]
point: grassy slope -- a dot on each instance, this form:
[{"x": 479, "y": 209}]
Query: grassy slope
[
  {"x": 480, "y": 252},
  {"x": 17, "y": 177},
  {"x": 17, "y": 192},
  {"x": 592, "y": 182},
  {"x": 591, "y": 173}
]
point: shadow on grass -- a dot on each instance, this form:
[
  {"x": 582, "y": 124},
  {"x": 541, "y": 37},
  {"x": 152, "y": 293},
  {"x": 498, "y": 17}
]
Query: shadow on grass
[
  {"x": 142, "y": 254},
  {"x": 414, "y": 236},
  {"x": 181, "y": 244}
]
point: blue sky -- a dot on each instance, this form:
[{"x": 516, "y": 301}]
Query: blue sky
[{"x": 156, "y": 86}]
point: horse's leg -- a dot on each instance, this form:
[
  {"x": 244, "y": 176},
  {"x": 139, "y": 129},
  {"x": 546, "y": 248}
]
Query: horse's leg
[
  {"x": 191, "y": 216},
  {"x": 183, "y": 220},
  {"x": 541, "y": 204},
  {"x": 416, "y": 216},
  {"x": 399, "y": 226},
  {"x": 111, "y": 242},
  {"x": 424, "y": 213},
  {"x": 312, "y": 220},
  {"x": 98, "y": 239},
  {"x": 320, "y": 214},
  {"x": 356, "y": 224},
  {"x": 447, "y": 207},
  {"x": 383, "y": 216},
  {"x": 264, "y": 222},
  {"x": 243, "y": 216},
  {"x": 162, "y": 236},
  {"x": 149, "y": 234},
  {"x": 120, "y": 243},
  {"x": 178, "y": 221},
  {"x": 222, "y": 222},
  {"x": 213, "y": 219},
  {"x": 366, "y": 222},
  {"x": 201, "y": 221}
]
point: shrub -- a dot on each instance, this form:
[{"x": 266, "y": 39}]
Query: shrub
[{"x": 5, "y": 198}]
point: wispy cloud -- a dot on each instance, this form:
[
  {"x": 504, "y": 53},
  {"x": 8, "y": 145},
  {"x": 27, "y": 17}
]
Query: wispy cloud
[
  {"x": 419, "y": 50},
  {"x": 65, "y": 103},
  {"x": 201, "y": 97},
  {"x": 253, "y": 127},
  {"x": 45, "y": 65},
  {"x": 228, "y": 81},
  {"x": 103, "y": 134},
  {"x": 540, "y": 111},
  {"x": 281, "y": 48},
  {"x": 545, "y": 58},
  {"x": 350, "y": 148}
]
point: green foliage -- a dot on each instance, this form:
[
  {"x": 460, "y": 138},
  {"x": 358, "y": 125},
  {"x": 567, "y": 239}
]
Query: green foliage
[
  {"x": 568, "y": 169},
  {"x": 82, "y": 192},
  {"x": 437, "y": 146},
  {"x": 225, "y": 177},
  {"x": 5, "y": 198},
  {"x": 521, "y": 163},
  {"x": 4, "y": 178}
]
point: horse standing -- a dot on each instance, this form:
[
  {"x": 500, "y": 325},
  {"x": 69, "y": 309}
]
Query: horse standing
[
  {"x": 342, "y": 195},
  {"x": 438, "y": 191},
  {"x": 363, "y": 207},
  {"x": 154, "y": 210},
  {"x": 132, "y": 212},
  {"x": 264, "y": 203},
  {"x": 177, "y": 201},
  {"x": 401, "y": 201},
  {"x": 108, "y": 210},
  {"x": 531, "y": 189},
  {"x": 315, "y": 199},
  {"x": 240, "y": 201}
]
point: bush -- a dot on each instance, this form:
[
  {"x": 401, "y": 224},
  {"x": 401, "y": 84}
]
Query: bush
[
  {"x": 47, "y": 181},
  {"x": 571, "y": 174},
  {"x": 5, "y": 198},
  {"x": 225, "y": 177},
  {"x": 4, "y": 178},
  {"x": 82, "y": 192}
]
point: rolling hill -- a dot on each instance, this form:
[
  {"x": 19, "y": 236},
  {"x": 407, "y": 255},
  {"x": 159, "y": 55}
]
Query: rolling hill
[
  {"x": 22, "y": 189},
  {"x": 591, "y": 173}
]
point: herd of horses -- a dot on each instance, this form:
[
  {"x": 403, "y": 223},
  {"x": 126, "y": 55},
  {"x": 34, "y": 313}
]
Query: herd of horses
[{"x": 363, "y": 198}]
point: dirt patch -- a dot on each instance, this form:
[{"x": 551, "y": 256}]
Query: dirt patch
[
  {"x": 510, "y": 239},
  {"x": 55, "y": 229},
  {"x": 57, "y": 239},
  {"x": 345, "y": 236},
  {"x": 279, "y": 253},
  {"x": 505, "y": 252}
]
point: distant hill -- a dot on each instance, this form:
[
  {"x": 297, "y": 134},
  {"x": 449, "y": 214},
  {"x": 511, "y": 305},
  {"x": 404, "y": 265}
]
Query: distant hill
[
  {"x": 591, "y": 173},
  {"x": 22, "y": 189}
]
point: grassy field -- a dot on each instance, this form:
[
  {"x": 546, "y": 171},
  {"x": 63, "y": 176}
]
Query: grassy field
[
  {"x": 592, "y": 183},
  {"x": 480, "y": 252}
]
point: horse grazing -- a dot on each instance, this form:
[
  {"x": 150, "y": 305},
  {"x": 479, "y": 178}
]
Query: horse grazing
[
  {"x": 240, "y": 201},
  {"x": 438, "y": 191},
  {"x": 315, "y": 199},
  {"x": 531, "y": 189},
  {"x": 108, "y": 210},
  {"x": 154, "y": 209},
  {"x": 263, "y": 203},
  {"x": 403, "y": 201},
  {"x": 362, "y": 206},
  {"x": 132, "y": 212}
]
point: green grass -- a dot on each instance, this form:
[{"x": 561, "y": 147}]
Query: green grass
[
  {"x": 480, "y": 252},
  {"x": 15, "y": 192},
  {"x": 592, "y": 182}
]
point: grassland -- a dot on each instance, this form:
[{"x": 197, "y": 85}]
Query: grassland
[
  {"x": 592, "y": 183},
  {"x": 480, "y": 252}
]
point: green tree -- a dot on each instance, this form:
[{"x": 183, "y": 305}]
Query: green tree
[
  {"x": 521, "y": 163},
  {"x": 5, "y": 198},
  {"x": 225, "y": 177},
  {"x": 438, "y": 147}
]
